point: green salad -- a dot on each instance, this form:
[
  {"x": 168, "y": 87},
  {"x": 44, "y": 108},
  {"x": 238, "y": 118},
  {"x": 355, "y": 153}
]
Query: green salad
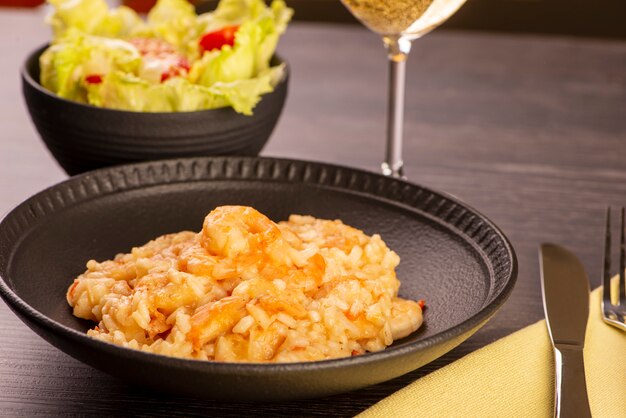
[{"x": 173, "y": 61}]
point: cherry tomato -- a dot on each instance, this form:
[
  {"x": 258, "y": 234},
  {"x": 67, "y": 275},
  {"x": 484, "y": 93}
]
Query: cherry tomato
[
  {"x": 219, "y": 38},
  {"x": 93, "y": 79},
  {"x": 140, "y": 6}
]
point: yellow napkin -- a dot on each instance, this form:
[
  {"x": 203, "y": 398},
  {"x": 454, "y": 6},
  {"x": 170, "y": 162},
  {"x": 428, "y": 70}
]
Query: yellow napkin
[{"x": 514, "y": 377}]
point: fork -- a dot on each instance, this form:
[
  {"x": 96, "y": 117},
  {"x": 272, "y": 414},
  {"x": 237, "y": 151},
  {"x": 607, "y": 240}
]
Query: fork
[{"x": 614, "y": 314}]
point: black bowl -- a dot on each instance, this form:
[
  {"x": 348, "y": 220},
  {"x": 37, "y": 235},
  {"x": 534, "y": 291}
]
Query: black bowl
[
  {"x": 451, "y": 255},
  {"x": 83, "y": 137}
]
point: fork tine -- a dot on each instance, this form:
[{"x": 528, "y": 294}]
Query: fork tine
[
  {"x": 614, "y": 314},
  {"x": 606, "y": 270},
  {"x": 622, "y": 297}
]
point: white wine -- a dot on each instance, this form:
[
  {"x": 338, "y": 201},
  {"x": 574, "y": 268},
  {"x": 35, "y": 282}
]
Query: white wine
[{"x": 409, "y": 19}]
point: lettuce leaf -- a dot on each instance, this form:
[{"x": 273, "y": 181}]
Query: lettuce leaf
[
  {"x": 123, "y": 91},
  {"x": 173, "y": 21},
  {"x": 92, "y": 17},
  {"x": 89, "y": 39},
  {"x": 243, "y": 95},
  {"x": 65, "y": 64},
  {"x": 255, "y": 41}
]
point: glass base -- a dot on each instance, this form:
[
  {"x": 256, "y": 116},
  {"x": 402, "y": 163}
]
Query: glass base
[{"x": 396, "y": 171}]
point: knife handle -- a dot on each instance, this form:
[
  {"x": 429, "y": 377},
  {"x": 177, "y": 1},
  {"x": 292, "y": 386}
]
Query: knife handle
[{"x": 571, "y": 390}]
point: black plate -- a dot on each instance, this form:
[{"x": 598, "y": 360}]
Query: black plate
[{"x": 451, "y": 255}]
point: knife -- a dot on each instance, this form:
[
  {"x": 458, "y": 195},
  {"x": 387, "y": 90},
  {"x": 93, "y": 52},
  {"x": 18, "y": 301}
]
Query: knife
[{"x": 565, "y": 289}]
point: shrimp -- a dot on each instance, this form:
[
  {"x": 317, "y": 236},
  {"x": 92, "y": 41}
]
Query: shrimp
[
  {"x": 242, "y": 236},
  {"x": 264, "y": 344},
  {"x": 406, "y": 317},
  {"x": 231, "y": 231},
  {"x": 215, "y": 319},
  {"x": 171, "y": 296},
  {"x": 273, "y": 303},
  {"x": 310, "y": 277}
]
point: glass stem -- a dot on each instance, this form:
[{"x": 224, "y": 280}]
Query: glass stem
[{"x": 397, "y": 52}]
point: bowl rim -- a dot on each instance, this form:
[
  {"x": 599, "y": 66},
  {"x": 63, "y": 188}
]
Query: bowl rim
[
  {"x": 36, "y": 85},
  {"x": 488, "y": 309}
]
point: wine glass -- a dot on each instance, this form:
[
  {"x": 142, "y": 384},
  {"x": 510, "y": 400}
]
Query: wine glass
[{"x": 399, "y": 22}]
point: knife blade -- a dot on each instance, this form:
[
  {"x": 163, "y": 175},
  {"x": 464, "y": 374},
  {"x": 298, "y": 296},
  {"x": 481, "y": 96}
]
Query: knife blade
[{"x": 565, "y": 290}]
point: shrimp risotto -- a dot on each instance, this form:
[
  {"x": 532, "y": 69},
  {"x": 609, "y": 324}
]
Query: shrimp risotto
[{"x": 249, "y": 290}]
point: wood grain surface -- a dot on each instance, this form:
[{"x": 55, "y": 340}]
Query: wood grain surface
[{"x": 531, "y": 131}]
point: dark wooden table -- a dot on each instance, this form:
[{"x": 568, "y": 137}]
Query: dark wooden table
[{"x": 529, "y": 130}]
